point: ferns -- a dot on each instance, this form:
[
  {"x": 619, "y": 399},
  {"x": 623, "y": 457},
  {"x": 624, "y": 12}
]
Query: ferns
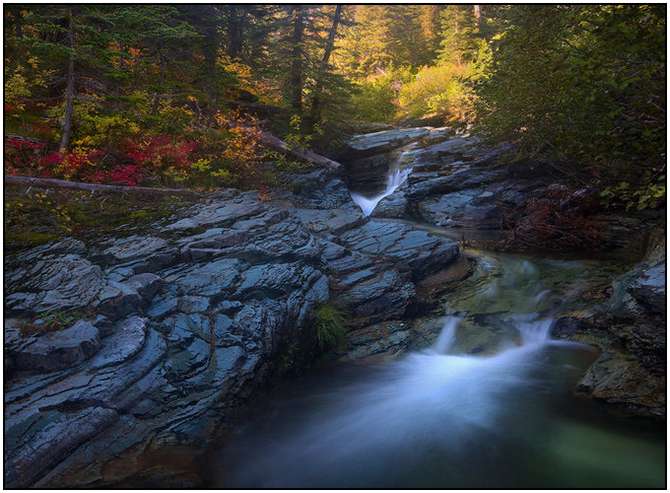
[{"x": 330, "y": 327}]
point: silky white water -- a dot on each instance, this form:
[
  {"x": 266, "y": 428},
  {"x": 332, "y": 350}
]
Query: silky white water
[
  {"x": 447, "y": 416},
  {"x": 394, "y": 179}
]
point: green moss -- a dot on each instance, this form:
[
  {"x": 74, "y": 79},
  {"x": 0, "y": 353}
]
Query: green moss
[
  {"x": 330, "y": 327},
  {"x": 34, "y": 217},
  {"x": 29, "y": 239},
  {"x": 52, "y": 321}
]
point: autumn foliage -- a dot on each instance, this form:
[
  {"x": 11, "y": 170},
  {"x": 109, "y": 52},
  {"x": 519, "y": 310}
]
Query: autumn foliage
[{"x": 224, "y": 154}]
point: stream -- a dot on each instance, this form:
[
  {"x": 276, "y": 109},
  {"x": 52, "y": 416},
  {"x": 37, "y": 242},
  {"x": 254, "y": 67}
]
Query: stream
[{"x": 486, "y": 402}]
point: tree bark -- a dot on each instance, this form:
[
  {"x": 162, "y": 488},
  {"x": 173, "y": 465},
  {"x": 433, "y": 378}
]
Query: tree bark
[
  {"x": 236, "y": 21},
  {"x": 69, "y": 90},
  {"x": 315, "y": 113},
  {"x": 477, "y": 11},
  {"x": 296, "y": 76},
  {"x": 18, "y": 23}
]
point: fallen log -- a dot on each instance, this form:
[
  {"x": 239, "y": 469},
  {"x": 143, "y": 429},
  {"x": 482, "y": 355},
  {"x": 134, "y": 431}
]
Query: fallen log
[
  {"x": 90, "y": 187},
  {"x": 277, "y": 144}
]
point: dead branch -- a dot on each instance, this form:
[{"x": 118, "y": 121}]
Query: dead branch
[
  {"x": 91, "y": 187},
  {"x": 277, "y": 144}
]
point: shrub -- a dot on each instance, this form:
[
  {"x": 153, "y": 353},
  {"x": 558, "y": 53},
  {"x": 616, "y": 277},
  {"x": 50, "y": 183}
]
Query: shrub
[
  {"x": 375, "y": 98},
  {"x": 330, "y": 327},
  {"x": 583, "y": 85},
  {"x": 436, "y": 90}
]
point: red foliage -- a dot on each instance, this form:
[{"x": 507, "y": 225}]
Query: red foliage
[
  {"x": 129, "y": 174},
  {"x": 21, "y": 154},
  {"x": 161, "y": 150},
  {"x": 21, "y": 144}
]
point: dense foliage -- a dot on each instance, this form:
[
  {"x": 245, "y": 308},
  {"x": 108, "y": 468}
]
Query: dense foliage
[
  {"x": 158, "y": 94},
  {"x": 175, "y": 94},
  {"x": 584, "y": 85}
]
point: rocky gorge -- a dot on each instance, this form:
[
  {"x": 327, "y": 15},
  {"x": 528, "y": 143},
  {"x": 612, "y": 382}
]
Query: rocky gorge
[{"x": 168, "y": 333}]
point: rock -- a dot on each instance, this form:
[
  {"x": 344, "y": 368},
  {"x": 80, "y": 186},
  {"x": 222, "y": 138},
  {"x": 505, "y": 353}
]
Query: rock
[
  {"x": 384, "y": 296},
  {"x": 59, "y": 434},
  {"x": 334, "y": 221},
  {"x": 146, "y": 285},
  {"x": 56, "y": 350},
  {"x": 418, "y": 250},
  {"x": 118, "y": 300},
  {"x": 222, "y": 214},
  {"x": 623, "y": 382},
  {"x": 191, "y": 319},
  {"x": 629, "y": 329},
  {"x": 190, "y": 326},
  {"x": 329, "y": 195},
  {"x": 52, "y": 283},
  {"x": 649, "y": 288},
  {"x": 126, "y": 341},
  {"x": 132, "y": 247},
  {"x": 393, "y": 206},
  {"x": 383, "y": 339},
  {"x": 384, "y": 141}
]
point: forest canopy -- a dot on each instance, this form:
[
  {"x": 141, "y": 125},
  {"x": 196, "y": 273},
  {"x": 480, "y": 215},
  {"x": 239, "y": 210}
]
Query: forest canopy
[{"x": 169, "y": 95}]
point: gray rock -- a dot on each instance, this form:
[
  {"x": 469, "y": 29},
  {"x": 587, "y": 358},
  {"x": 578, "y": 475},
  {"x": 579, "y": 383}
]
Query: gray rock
[
  {"x": 386, "y": 338},
  {"x": 126, "y": 341},
  {"x": 384, "y": 141},
  {"x": 53, "y": 283},
  {"x": 193, "y": 321},
  {"x": 118, "y": 299},
  {"x": 220, "y": 213},
  {"x": 649, "y": 288},
  {"x": 133, "y": 247},
  {"x": 422, "y": 252},
  {"x": 56, "y": 350},
  {"x": 146, "y": 285}
]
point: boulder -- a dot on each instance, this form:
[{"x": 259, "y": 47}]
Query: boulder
[
  {"x": 384, "y": 141},
  {"x": 56, "y": 350}
]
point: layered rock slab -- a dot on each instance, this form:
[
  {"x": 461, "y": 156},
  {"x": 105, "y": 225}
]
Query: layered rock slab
[{"x": 185, "y": 322}]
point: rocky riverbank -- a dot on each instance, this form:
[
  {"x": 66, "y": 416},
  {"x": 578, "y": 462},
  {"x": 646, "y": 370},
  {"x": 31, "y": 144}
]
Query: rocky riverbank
[
  {"x": 168, "y": 331},
  {"x": 125, "y": 354}
]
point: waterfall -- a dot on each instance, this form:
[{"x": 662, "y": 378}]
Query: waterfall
[
  {"x": 447, "y": 336},
  {"x": 394, "y": 179},
  {"x": 428, "y": 397}
]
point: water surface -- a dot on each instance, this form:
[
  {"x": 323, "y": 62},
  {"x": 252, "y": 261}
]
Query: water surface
[{"x": 488, "y": 403}]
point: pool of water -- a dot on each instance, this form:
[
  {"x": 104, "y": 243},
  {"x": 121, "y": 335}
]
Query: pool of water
[
  {"x": 358, "y": 428},
  {"x": 445, "y": 416}
]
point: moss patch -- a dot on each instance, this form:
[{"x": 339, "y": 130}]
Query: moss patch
[
  {"x": 330, "y": 327},
  {"x": 34, "y": 216}
]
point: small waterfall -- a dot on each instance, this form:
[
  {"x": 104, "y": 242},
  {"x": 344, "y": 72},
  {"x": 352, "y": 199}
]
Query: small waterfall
[
  {"x": 448, "y": 335},
  {"x": 428, "y": 397},
  {"x": 536, "y": 332},
  {"x": 394, "y": 179}
]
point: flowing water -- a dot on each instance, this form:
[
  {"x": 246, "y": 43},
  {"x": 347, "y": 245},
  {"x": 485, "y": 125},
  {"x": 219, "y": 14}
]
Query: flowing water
[
  {"x": 487, "y": 402},
  {"x": 394, "y": 179},
  {"x": 398, "y": 171}
]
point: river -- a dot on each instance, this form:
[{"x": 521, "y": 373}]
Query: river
[{"x": 487, "y": 402}]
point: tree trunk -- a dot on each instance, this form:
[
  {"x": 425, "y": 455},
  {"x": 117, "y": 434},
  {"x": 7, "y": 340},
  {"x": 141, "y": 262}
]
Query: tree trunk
[
  {"x": 236, "y": 21},
  {"x": 156, "y": 101},
  {"x": 477, "y": 11},
  {"x": 69, "y": 91},
  {"x": 296, "y": 76},
  {"x": 269, "y": 140},
  {"x": 210, "y": 51},
  {"x": 315, "y": 113},
  {"x": 18, "y": 30},
  {"x": 89, "y": 187}
]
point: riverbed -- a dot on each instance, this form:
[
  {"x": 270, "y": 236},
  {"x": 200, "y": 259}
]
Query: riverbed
[{"x": 488, "y": 401}]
